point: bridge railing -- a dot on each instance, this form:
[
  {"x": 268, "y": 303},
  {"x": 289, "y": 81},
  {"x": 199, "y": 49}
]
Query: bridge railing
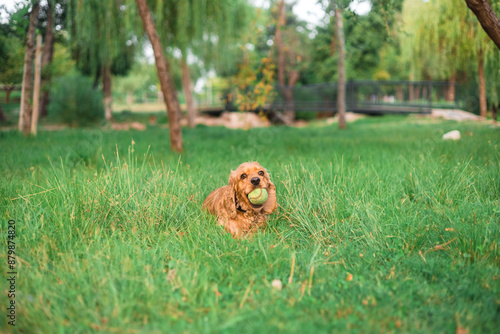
[{"x": 361, "y": 96}]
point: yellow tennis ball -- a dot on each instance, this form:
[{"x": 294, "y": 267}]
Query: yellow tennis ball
[{"x": 258, "y": 196}]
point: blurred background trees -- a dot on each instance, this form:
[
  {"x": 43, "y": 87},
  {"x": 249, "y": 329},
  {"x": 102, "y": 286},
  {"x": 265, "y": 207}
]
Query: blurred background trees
[
  {"x": 438, "y": 46},
  {"x": 254, "y": 46}
]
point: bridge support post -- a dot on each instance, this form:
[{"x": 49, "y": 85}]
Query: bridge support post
[{"x": 429, "y": 89}]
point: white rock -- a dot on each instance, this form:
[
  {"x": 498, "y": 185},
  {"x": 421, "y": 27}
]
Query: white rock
[
  {"x": 453, "y": 135},
  {"x": 277, "y": 285}
]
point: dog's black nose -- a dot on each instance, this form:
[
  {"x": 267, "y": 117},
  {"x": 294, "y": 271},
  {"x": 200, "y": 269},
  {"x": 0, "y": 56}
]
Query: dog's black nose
[{"x": 255, "y": 181}]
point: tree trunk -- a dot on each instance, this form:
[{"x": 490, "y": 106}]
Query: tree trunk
[
  {"x": 410, "y": 87},
  {"x": 451, "y": 87},
  {"x": 36, "y": 88},
  {"x": 487, "y": 17},
  {"x": 399, "y": 93},
  {"x": 187, "y": 87},
  {"x": 2, "y": 115},
  {"x": 96, "y": 79},
  {"x": 341, "y": 68},
  {"x": 482, "y": 84},
  {"x": 7, "y": 94},
  {"x": 293, "y": 77},
  {"x": 333, "y": 45},
  {"x": 416, "y": 92},
  {"x": 286, "y": 91},
  {"x": 47, "y": 55},
  {"x": 165, "y": 77},
  {"x": 279, "y": 44},
  {"x": 106, "y": 90},
  {"x": 25, "y": 111},
  {"x": 494, "y": 113}
]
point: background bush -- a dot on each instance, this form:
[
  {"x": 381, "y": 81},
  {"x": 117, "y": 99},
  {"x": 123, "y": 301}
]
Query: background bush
[
  {"x": 75, "y": 102},
  {"x": 305, "y": 115}
]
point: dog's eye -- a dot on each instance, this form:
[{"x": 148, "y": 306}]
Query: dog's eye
[
  {"x": 261, "y": 173},
  {"x": 243, "y": 176}
]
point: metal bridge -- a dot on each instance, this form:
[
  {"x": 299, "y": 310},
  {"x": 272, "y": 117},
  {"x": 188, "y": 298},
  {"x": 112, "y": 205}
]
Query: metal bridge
[{"x": 367, "y": 97}]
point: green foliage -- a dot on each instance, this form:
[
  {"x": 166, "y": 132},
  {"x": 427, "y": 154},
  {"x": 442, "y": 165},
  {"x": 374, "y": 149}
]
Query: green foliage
[
  {"x": 387, "y": 227},
  {"x": 324, "y": 60},
  {"x": 305, "y": 115},
  {"x": 11, "y": 60},
  {"x": 365, "y": 37},
  {"x": 140, "y": 79},
  {"x": 75, "y": 102},
  {"x": 208, "y": 30},
  {"x": 391, "y": 63},
  {"x": 18, "y": 21},
  {"x": 102, "y": 35},
  {"x": 442, "y": 38},
  {"x": 256, "y": 77},
  {"x": 62, "y": 63},
  {"x": 435, "y": 44}
]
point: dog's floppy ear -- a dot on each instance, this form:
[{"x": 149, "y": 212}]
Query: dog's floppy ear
[
  {"x": 233, "y": 182},
  {"x": 271, "y": 204},
  {"x": 231, "y": 200}
]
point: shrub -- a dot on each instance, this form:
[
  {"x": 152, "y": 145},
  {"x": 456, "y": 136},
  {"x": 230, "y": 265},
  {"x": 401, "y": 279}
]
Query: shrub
[
  {"x": 75, "y": 102},
  {"x": 306, "y": 115}
]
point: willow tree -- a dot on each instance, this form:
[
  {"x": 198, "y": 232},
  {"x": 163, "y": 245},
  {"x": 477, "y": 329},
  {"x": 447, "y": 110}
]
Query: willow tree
[
  {"x": 485, "y": 13},
  {"x": 164, "y": 75},
  {"x": 102, "y": 40},
  {"x": 53, "y": 13},
  {"x": 335, "y": 9},
  {"x": 291, "y": 42},
  {"x": 435, "y": 44},
  {"x": 202, "y": 30},
  {"x": 293, "y": 75},
  {"x": 47, "y": 55}
]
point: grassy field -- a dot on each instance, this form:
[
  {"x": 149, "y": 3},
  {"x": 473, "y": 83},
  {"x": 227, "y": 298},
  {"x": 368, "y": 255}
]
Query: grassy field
[{"x": 382, "y": 228}]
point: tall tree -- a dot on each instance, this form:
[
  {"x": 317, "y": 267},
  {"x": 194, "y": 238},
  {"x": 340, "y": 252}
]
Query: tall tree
[
  {"x": 11, "y": 63},
  {"x": 164, "y": 75},
  {"x": 287, "y": 58},
  {"x": 368, "y": 38},
  {"x": 281, "y": 63},
  {"x": 434, "y": 46},
  {"x": 101, "y": 33},
  {"x": 200, "y": 30},
  {"x": 3, "y": 118},
  {"x": 47, "y": 55},
  {"x": 341, "y": 108},
  {"x": 338, "y": 7},
  {"x": 13, "y": 46},
  {"x": 487, "y": 17},
  {"x": 36, "y": 88},
  {"x": 25, "y": 110}
]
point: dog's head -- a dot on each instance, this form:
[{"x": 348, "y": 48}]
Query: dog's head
[{"x": 248, "y": 177}]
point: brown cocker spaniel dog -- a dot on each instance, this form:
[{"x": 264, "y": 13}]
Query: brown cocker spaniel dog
[{"x": 231, "y": 205}]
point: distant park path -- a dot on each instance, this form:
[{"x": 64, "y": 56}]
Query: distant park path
[{"x": 455, "y": 114}]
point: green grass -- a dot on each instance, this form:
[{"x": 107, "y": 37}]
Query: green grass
[{"x": 111, "y": 235}]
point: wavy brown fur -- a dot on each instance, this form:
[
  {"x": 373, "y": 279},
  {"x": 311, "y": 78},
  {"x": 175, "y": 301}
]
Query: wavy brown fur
[{"x": 231, "y": 205}]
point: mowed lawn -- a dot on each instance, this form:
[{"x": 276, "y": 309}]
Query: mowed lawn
[{"x": 381, "y": 228}]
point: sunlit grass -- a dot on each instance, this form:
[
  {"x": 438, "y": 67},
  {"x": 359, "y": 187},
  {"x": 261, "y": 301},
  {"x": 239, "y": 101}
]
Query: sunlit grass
[
  {"x": 385, "y": 227},
  {"x": 139, "y": 107}
]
